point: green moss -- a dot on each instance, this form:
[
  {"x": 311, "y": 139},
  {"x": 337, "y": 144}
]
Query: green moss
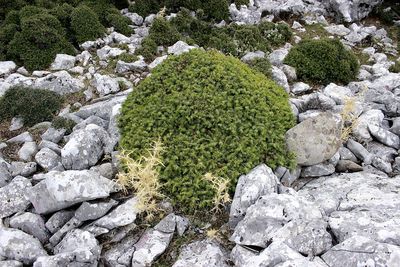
[
  {"x": 85, "y": 24},
  {"x": 323, "y": 61},
  {"x": 32, "y": 105},
  {"x": 213, "y": 114}
]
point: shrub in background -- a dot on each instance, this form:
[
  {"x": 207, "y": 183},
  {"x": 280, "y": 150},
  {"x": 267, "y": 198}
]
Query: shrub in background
[
  {"x": 145, "y": 7},
  {"x": 163, "y": 33},
  {"x": 32, "y": 105},
  {"x": 120, "y": 23},
  {"x": 148, "y": 49},
  {"x": 323, "y": 61},
  {"x": 213, "y": 114},
  {"x": 262, "y": 65},
  {"x": 85, "y": 24}
]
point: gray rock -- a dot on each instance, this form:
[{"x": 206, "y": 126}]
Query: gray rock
[
  {"x": 137, "y": 66},
  {"x": 386, "y": 153},
  {"x": 109, "y": 52},
  {"x": 58, "y": 220},
  {"x": 258, "y": 182},
  {"x": 289, "y": 219},
  {"x": 60, "y": 82},
  {"x": 280, "y": 78},
  {"x": 286, "y": 176},
  {"x": 84, "y": 148},
  {"x": 318, "y": 170},
  {"x": 309, "y": 114},
  {"x": 102, "y": 109},
  {"x": 244, "y": 14},
  {"x": 135, "y": 18},
  {"x": 180, "y": 47},
  {"x": 396, "y": 126},
  {"x": 32, "y": 224},
  {"x": 63, "y": 62},
  {"x": 382, "y": 165},
  {"x": 48, "y": 159},
  {"x": 25, "y": 169},
  {"x": 345, "y": 165},
  {"x": 10, "y": 263},
  {"x": 315, "y": 140},
  {"x": 359, "y": 151},
  {"x": 27, "y": 151},
  {"x": 157, "y": 61},
  {"x": 299, "y": 88},
  {"x": 290, "y": 72},
  {"x": 19, "y": 246},
  {"x": 105, "y": 84},
  {"x": 361, "y": 251},
  {"x": 250, "y": 56},
  {"x": 276, "y": 57},
  {"x": 339, "y": 94},
  {"x": 384, "y": 136},
  {"x": 203, "y": 253},
  {"x": 21, "y": 138},
  {"x": 340, "y": 30},
  {"x": 317, "y": 101},
  {"x": 63, "y": 189},
  {"x": 116, "y": 255},
  {"x": 13, "y": 197},
  {"x": 53, "y": 135},
  {"x": 92, "y": 211},
  {"x": 6, "y": 67},
  {"x": 5, "y": 175},
  {"x": 91, "y": 120},
  {"x": 396, "y": 165},
  {"x": 16, "y": 124}
]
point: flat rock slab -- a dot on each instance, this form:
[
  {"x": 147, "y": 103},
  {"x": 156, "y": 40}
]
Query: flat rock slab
[
  {"x": 13, "y": 197},
  {"x": 60, "y": 190},
  {"x": 316, "y": 139}
]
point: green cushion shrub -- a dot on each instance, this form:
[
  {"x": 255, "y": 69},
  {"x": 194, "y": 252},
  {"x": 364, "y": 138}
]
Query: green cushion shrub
[
  {"x": 9, "y": 5},
  {"x": 323, "y": 61},
  {"x": 85, "y": 24},
  {"x": 163, "y": 33},
  {"x": 40, "y": 39},
  {"x": 241, "y": 2},
  {"x": 32, "y": 105},
  {"x": 262, "y": 65},
  {"x": 145, "y": 7},
  {"x": 147, "y": 49},
  {"x": 213, "y": 114},
  {"x": 120, "y": 23}
]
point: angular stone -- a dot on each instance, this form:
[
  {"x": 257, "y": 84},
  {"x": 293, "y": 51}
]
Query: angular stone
[
  {"x": 13, "y": 197},
  {"x": 157, "y": 61},
  {"x": 48, "y": 159},
  {"x": 105, "y": 84},
  {"x": 318, "y": 170},
  {"x": 276, "y": 57},
  {"x": 137, "y": 66},
  {"x": 60, "y": 82},
  {"x": 27, "y": 151},
  {"x": 5, "y": 175},
  {"x": 258, "y": 182},
  {"x": 338, "y": 93},
  {"x": 280, "y": 78},
  {"x": 299, "y": 88},
  {"x": 6, "y": 67},
  {"x": 32, "y": 224},
  {"x": 53, "y": 135},
  {"x": 340, "y": 30},
  {"x": 58, "y": 219},
  {"x": 92, "y": 211},
  {"x": 348, "y": 166},
  {"x": 21, "y": 138},
  {"x": 359, "y": 151},
  {"x": 63, "y": 62},
  {"x": 179, "y": 47},
  {"x": 63, "y": 189},
  {"x": 315, "y": 140},
  {"x": 17, "y": 245},
  {"x": 249, "y": 56},
  {"x": 384, "y": 136},
  {"x": 25, "y": 169}
]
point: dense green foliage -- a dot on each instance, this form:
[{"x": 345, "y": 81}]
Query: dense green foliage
[
  {"x": 85, "y": 24},
  {"x": 213, "y": 114},
  {"x": 262, "y": 65},
  {"x": 323, "y": 61},
  {"x": 32, "y": 105},
  {"x": 32, "y": 32}
]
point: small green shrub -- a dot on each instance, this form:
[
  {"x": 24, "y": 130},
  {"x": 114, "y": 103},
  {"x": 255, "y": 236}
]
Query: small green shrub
[
  {"x": 262, "y": 65},
  {"x": 40, "y": 39},
  {"x": 145, "y": 7},
  {"x": 213, "y": 114},
  {"x": 323, "y": 61},
  {"x": 85, "y": 24},
  {"x": 216, "y": 9},
  {"x": 32, "y": 105},
  {"x": 241, "y": 2},
  {"x": 163, "y": 33},
  {"x": 395, "y": 68},
  {"x": 63, "y": 123},
  {"x": 147, "y": 49},
  {"x": 120, "y": 23}
]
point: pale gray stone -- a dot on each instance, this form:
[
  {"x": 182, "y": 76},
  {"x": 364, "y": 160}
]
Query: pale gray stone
[
  {"x": 48, "y": 159},
  {"x": 32, "y": 224},
  {"x": 25, "y": 169},
  {"x": 345, "y": 165},
  {"x": 63, "y": 189},
  {"x": 180, "y": 47},
  {"x": 157, "y": 61},
  {"x": 27, "y": 151},
  {"x": 384, "y": 136},
  {"x": 137, "y": 66},
  {"x": 250, "y": 56},
  {"x": 339, "y": 30},
  {"x": 339, "y": 94},
  {"x": 60, "y": 82},
  {"x": 359, "y": 151},
  {"x": 317, "y": 101},
  {"x": 5, "y": 175},
  {"x": 315, "y": 140},
  {"x": 63, "y": 62},
  {"x": 109, "y": 52},
  {"x": 318, "y": 170},
  {"x": 280, "y": 78},
  {"x": 53, "y": 135},
  {"x": 258, "y": 182},
  {"x": 299, "y": 88},
  {"x": 13, "y": 197},
  {"x": 244, "y": 15},
  {"x": 21, "y": 138},
  {"x": 16, "y": 124},
  {"x": 276, "y": 57},
  {"x": 105, "y": 84},
  {"x": 6, "y": 67},
  {"x": 58, "y": 219}
]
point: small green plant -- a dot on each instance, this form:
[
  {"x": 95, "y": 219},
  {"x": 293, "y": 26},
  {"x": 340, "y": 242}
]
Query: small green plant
[
  {"x": 262, "y": 65},
  {"x": 32, "y": 105},
  {"x": 241, "y": 2},
  {"x": 120, "y": 23},
  {"x": 213, "y": 114},
  {"x": 85, "y": 24},
  {"x": 63, "y": 123},
  {"x": 395, "y": 68},
  {"x": 323, "y": 61},
  {"x": 163, "y": 33},
  {"x": 142, "y": 176},
  {"x": 147, "y": 49}
]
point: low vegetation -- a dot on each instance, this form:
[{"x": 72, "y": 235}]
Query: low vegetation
[
  {"x": 213, "y": 114},
  {"x": 323, "y": 61},
  {"x": 32, "y": 105}
]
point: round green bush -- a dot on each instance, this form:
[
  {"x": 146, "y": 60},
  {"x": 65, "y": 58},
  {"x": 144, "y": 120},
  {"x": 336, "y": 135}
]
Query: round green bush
[
  {"x": 41, "y": 38},
  {"x": 323, "y": 61},
  {"x": 32, "y": 105},
  {"x": 163, "y": 33},
  {"x": 120, "y": 23},
  {"x": 213, "y": 114},
  {"x": 85, "y": 24},
  {"x": 145, "y": 7}
]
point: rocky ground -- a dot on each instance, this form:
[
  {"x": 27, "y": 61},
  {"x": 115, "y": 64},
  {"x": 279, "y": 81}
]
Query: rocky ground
[{"x": 60, "y": 206}]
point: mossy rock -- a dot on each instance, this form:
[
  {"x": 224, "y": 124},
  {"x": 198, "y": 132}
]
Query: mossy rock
[
  {"x": 213, "y": 114},
  {"x": 323, "y": 61}
]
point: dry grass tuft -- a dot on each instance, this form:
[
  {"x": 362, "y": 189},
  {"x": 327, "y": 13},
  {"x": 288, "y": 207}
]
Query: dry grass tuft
[
  {"x": 221, "y": 188},
  {"x": 142, "y": 176}
]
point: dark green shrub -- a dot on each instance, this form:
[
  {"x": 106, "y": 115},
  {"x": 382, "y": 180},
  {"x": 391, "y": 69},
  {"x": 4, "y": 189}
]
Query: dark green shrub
[
  {"x": 323, "y": 61},
  {"x": 7, "y": 33},
  {"x": 40, "y": 39},
  {"x": 32, "y": 105},
  {"x": 163, "y": 33},
  {"x": 12, "y": 18},
  {"x": 86, "y": 24},
  {"x": 276, "y": 33},
  {"x": 145, "y": 7},
  {"x": 147, "y": 49},
  {"x": 121, "y": 4},
  {"x": 216, "y": 9},
  {"x": 262, "y": 65},
  {"x": 395, "y": 68},
  {"x": 241, "y": 2},
  {"x": 120, "y": 23},
  {"x": 10, "y": 5},
  {"x": 29, "y": 11},
  {"x": 63, "y": 123},
  {"x": 213, "y": 114},
  {"x": 248, "y": 38}
]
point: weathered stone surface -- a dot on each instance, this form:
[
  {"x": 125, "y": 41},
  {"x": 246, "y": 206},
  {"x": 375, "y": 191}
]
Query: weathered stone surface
[
  {"x": 84, "y": 148},
  {"x": 48, "y": 159},
  {"x": 241, "y": 14},
  {"x": 63, "y": 62},
  {"x": 25, "y": 169},
  {"x": 299, "y": 88},
  {"x": 13, "y": 197},
  {"x": 138, "y": 66},
  {"x": 359, "y": 151},
  {"x": 6, "y": 67},
  {"x": 353, "y": 10},
  {"x": 32, "y": 224},
  {"x": 361, "y": 251},
  {"x": 384, "y": 136},
  {"x": 5, "y": 175},
  {"x": 340, "y": 29},
  {"x": 157, "y": 61},
  {"x": 284, "y": 218},
  {"x": 17, "y": 245},
  {"x": 63, "y": 189},
  {"x": 60, "y": 82},
  {"x": 203, "y": 253},
  {"x": 258, "y": 182},
  {"x": 179, "y": 47},
  {"x": 315, "y": 140},
  {"x": 345, "y": 165},
  {"x": 27, "y": 151},
  {"x": 339, "y": 94},
  {"x": 317, "y": 101},
  {"x": 105, "y": 84},
  {"x": 280, "y": 78},
  {"x": 318, "y": 170},
  {"x": 58, "y": 219},
  {"x": 53, "y": 135}
]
